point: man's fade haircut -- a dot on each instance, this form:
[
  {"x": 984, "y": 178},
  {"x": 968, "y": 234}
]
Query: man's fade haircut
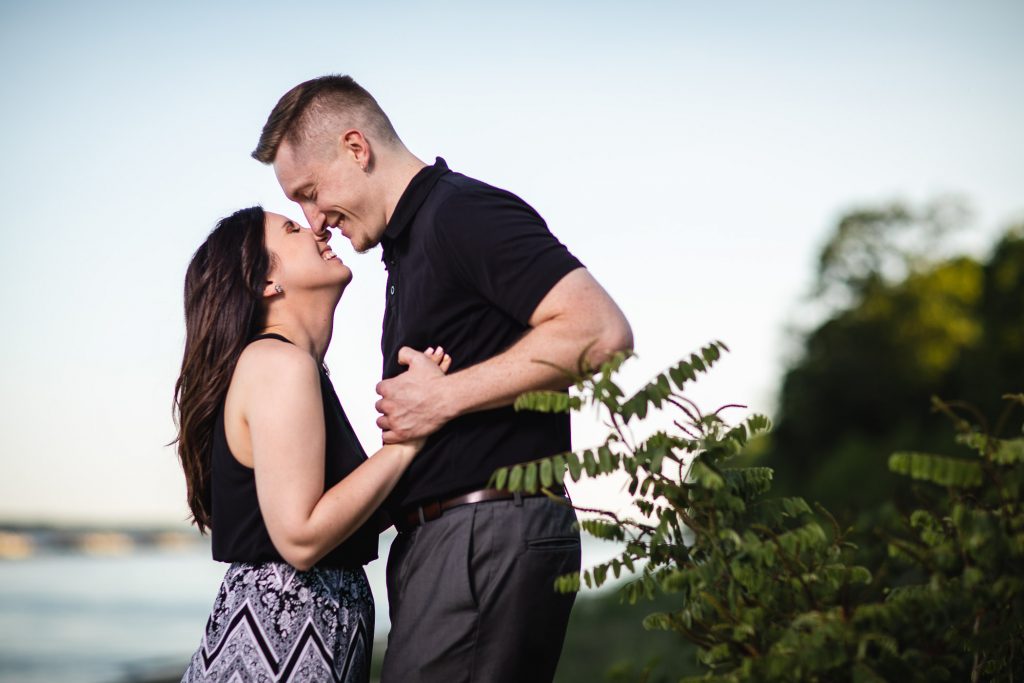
[{"x": 302, "y": 112}]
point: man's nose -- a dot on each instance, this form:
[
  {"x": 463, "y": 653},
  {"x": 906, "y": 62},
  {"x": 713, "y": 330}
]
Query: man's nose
[{"x": 316, "y": 220}]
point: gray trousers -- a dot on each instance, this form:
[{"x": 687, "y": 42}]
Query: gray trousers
[{"x": 472, "y": 596}]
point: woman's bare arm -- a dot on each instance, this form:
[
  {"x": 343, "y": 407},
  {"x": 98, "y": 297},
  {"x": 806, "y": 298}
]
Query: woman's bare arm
[{"x": 283, "y": 409}]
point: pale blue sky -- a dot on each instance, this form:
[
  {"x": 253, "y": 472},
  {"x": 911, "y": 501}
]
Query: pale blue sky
[{"x": 693, "y": 155}]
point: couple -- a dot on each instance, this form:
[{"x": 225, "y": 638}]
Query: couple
[{"x": 478, "y": 290}]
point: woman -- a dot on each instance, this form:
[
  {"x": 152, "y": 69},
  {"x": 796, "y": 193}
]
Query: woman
[{"x": 272, "y": 466}]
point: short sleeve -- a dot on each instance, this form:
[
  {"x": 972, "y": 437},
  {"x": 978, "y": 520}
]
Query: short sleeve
[{"x": 501, "y": 247}]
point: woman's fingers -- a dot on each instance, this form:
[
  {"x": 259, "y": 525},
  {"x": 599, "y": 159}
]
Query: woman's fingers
[{"x": 438, "y": 356}]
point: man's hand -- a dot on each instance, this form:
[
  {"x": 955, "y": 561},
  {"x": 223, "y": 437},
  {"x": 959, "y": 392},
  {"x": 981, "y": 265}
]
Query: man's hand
[{"x": 412, "y": 404}]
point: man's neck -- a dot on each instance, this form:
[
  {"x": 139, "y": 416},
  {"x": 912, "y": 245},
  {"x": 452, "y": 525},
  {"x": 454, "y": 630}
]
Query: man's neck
[{"x": 404, "y": 169}]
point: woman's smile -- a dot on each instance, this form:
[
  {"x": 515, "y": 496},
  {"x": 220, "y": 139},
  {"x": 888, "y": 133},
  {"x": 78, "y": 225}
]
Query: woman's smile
[{"x": 327, "y": 255}]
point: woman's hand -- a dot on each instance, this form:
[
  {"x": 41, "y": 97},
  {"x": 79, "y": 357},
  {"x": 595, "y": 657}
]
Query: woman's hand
[{"x": 443, "y": 362}]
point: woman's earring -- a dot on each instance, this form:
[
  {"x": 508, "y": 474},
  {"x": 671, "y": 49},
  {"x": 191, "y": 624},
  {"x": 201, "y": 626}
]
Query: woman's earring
[{"x": 279, "y": 289}]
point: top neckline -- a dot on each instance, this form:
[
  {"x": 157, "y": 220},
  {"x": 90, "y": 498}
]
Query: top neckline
[
  {"x": 272, "y": 335},
  {"x": 275, "y": 335}
]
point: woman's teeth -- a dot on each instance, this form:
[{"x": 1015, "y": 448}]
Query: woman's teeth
[{"x": 328, "y": 255}]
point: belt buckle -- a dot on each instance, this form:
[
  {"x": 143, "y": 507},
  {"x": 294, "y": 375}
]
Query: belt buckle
[{"x": 429, "y": 512}]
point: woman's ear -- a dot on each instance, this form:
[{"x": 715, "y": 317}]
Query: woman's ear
[{"x": 272, "y": 289}]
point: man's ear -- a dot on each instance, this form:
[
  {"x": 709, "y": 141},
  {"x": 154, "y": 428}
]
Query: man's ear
[{"x": 354, "y": 145}]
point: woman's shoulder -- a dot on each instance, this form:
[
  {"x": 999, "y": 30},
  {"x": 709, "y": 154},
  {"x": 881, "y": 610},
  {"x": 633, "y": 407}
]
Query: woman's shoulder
[
  {"x": 277, "y": 363},
  {"x": 270, "y": 379}
]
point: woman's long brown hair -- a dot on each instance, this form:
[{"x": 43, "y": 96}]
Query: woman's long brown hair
[{"x": 223, "y": 292}]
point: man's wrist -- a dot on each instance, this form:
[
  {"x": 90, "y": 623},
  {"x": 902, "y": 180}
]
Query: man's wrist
[{"x": 450, "y": 398}]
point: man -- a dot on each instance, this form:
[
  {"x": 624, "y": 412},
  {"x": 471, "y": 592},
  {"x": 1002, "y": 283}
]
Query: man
[{"x": 474, "y": 269}]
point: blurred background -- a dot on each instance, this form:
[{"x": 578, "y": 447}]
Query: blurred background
[{"x": 834, "y": 190}]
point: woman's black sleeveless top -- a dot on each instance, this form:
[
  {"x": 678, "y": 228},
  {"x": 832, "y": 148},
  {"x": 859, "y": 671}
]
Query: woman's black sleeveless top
[{"x": 237, "y": 529}]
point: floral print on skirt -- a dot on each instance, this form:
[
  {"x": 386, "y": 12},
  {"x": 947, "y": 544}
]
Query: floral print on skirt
[{"x": 272, "y": 622}]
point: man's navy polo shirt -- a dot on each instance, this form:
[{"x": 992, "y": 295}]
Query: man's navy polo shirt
[{"x": 468, "y": 264}]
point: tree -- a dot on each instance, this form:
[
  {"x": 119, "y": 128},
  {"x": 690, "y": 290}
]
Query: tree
[{"x": 912, "y": 322}]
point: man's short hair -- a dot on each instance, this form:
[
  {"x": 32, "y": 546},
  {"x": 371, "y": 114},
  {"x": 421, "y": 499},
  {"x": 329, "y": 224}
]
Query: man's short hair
[{"x": 309, "y": 109}]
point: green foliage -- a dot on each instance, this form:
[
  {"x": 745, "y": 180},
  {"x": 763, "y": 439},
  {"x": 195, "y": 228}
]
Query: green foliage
[
  {"x": 937, "y": 469},
  {"x": 873, "y": 244},
  {"x": 767, "y": 589},
  {"x": 904, "y": 318},
  {"x": 971, "y": 551},
  {"x": 605, "y": 644}
]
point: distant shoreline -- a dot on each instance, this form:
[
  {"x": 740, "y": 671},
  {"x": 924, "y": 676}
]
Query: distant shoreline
[{"x": 20, "y": 540}]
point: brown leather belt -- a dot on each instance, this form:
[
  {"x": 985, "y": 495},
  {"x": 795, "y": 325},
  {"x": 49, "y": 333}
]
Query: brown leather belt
[{"x": 411, "y": 517}]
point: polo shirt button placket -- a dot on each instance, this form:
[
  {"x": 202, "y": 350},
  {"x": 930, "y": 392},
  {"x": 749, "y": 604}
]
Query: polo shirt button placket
[
  {"x": 393, "y": 275},
  {"x": 392, "y": 303},
  {"x": 394, "y": 263}
]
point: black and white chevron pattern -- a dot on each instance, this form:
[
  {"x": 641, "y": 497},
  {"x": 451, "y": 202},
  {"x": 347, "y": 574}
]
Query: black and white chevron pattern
[{"x": 271, "y": 622}]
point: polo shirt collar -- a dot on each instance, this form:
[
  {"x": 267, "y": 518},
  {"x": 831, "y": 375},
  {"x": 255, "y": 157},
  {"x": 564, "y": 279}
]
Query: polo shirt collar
[{"x": 413, "y": 197}]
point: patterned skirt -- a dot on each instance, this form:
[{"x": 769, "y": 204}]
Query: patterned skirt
[{"x": 271, "y": 622}]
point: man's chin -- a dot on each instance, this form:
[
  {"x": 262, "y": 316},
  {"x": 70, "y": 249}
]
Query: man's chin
[{"x": 363, "y": 246}]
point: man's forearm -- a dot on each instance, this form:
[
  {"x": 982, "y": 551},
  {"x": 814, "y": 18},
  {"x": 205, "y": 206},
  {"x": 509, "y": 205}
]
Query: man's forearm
[
  {"x": 576, "y": 316},
  {"x": 497, "y": 381}
]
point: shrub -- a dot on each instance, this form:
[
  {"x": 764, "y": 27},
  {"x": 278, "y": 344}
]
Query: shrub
[{"x": 766, "y": 587}]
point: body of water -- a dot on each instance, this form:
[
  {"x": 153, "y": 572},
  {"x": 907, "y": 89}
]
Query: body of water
[{"x": 74, "y": 618}]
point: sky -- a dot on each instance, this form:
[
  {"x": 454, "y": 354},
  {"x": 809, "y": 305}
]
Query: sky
[{"x": 694, "y": 155}]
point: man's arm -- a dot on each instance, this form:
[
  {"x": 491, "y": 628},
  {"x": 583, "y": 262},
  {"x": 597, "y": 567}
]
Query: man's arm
[{"x": 575, "y": 313}]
